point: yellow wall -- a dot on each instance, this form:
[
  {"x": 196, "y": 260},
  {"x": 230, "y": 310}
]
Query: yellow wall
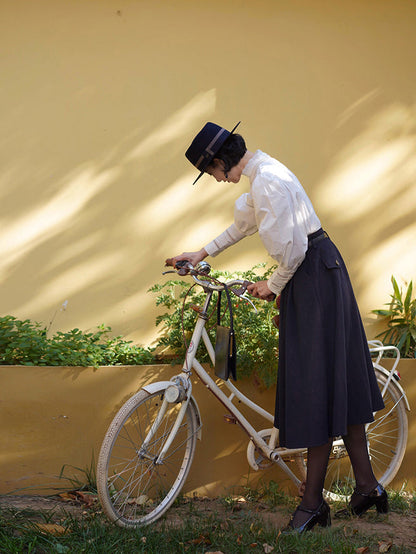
[
  {"x": 100, "y": 99},
  {"x": 55, "y": 417}
]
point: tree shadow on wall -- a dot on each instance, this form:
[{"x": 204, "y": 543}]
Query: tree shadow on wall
[
  {"x": 97, "y": 235},
  {"x": 367, "y": 201}
]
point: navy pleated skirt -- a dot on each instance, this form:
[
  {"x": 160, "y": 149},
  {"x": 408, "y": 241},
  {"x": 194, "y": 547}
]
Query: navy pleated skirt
[{"x": 326, "y": 379}]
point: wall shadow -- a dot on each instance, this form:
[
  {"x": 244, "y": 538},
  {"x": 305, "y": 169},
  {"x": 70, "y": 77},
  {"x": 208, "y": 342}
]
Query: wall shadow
[{"x": 99, "y": 104}]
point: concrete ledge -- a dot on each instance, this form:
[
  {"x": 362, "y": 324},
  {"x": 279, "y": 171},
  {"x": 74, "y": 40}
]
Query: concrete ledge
[{"x": 56, "y": 416}]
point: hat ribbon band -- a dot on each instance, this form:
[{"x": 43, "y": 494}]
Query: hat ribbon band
[{"x": 208, "y": 152}]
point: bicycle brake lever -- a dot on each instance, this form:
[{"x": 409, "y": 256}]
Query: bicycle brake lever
[
  {"x": 250, "y": 302},
  {"x": 241, "y": 289}
]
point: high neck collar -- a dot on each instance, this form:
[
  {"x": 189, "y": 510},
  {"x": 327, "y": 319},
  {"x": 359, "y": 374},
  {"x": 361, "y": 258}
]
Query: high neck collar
[{"x": 252, "y": 164}]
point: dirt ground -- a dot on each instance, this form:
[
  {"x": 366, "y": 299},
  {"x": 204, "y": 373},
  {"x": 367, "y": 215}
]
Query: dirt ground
[{"x": 392, "y": 529}]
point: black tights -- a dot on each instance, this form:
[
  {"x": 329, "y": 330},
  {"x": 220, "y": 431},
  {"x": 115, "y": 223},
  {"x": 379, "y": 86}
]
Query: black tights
[{"x": 356, "y": 444}]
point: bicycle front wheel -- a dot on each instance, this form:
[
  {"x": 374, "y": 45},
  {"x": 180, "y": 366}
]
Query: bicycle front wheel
[
  {"x": 386, "y": 441},
  {"x": 135, "y": 486}
]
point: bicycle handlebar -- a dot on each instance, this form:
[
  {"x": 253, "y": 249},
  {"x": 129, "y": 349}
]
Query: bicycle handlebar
[{"x": 184, "y": 267}]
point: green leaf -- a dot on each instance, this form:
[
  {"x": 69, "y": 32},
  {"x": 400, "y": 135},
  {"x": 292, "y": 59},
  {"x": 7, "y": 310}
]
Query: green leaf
[
  {"x": 397, "y": 293},
  {"x": 402, "y": 341},
  {"x": 384, "y": 313},
  {"x": 408, "y": 297}
]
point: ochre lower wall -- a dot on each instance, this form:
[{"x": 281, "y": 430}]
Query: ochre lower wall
[{"x": 51, "y": 417}]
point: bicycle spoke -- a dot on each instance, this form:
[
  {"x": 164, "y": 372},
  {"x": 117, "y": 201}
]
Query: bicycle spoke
[{"x": 138, "y": 489}]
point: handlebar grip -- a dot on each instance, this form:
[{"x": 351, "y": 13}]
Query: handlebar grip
[
  {"x": 182, "y": 266},
  {"x": 178, "y": 265},
  {"x": 181, "y": 263}
]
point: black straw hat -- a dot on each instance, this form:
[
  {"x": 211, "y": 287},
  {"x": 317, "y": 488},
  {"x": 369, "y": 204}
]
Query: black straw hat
[{"x": 206, "y": 144}]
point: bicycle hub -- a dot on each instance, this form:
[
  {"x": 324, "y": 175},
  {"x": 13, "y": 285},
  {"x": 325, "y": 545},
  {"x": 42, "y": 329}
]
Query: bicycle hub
[{"x": 175, "y": 393}]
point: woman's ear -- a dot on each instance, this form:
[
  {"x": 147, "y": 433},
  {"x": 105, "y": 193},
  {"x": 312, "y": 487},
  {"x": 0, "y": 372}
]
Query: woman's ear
[{"x": 216, "y": 162}]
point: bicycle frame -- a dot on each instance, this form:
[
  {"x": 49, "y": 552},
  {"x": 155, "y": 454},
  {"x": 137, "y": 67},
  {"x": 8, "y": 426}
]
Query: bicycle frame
[{"x": 268, "y": 449}]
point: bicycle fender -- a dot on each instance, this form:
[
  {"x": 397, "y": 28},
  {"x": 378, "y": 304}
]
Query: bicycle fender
[
  {"x": 160, "y": 386},
  {"x": 157, "y": 387},
  {"x": 198, "y": 417},
  {"x": 394, "y": 383}
]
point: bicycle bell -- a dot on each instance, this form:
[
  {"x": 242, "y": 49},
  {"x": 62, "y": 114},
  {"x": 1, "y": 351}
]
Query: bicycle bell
[{"x": 203, "y": 267}]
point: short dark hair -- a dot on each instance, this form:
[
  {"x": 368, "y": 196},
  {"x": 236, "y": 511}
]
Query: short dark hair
[{"x": 231, "y": 152}]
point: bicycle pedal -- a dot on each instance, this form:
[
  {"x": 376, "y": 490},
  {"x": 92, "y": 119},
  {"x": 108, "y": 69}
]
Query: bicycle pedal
[{"x": 228, "y": 418}]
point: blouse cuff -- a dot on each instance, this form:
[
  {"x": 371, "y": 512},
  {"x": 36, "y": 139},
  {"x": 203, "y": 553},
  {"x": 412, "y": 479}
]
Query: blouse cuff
[
  {"x": 279, "y": 279},
  {"x": 273, "y": 287}
]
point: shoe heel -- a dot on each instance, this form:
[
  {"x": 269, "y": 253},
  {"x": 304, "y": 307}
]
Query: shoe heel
[
  {"x": 326, "y": 521},
  {"x": 382, "y": 505},
  {"x": 325, "y": 518}
]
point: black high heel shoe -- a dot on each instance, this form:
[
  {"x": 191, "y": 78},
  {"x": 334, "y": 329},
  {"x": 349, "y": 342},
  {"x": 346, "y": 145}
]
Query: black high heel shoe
[
  {"x": 377, "y": 497},
  {"x": 321, "y": 516}
]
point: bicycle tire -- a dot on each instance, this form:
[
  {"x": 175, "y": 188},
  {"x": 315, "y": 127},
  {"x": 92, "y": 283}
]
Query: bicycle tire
[
  {"x": 386, "y": 440},
  {"x": 132, "y": 488}
]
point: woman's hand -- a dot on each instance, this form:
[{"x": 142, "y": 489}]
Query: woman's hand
[
  {"x": 259, "y": 289},
  {"x": 193, "y": 257}
]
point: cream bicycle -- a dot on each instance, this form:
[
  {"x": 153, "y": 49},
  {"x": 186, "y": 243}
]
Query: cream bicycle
[{"x": 148, "y": 449}]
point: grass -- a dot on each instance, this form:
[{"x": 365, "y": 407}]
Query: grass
[
  {"x": 228, "y": 530},
  {"x": 268, "y": 492},
  {"x": 82, "y": 479},
  {"x": 207, "y": 533}
]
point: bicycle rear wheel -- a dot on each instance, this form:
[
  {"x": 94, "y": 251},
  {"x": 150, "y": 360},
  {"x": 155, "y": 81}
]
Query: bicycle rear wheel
[
  {"x": 136, "y": 488},
  {"x": 386, "y": 440}
]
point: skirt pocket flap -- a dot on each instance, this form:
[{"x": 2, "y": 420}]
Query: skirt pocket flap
[{"x": 331, "y": 260}]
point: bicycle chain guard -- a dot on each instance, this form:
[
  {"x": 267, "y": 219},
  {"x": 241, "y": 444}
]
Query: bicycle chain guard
[{"x": 255, "y": 457}]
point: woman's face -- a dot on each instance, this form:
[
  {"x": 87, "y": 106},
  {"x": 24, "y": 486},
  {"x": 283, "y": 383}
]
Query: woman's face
[{"x": 216, "y": 169}]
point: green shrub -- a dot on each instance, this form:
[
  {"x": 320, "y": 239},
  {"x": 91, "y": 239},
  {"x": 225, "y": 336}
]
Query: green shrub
[
  {"x": 257, "y": 338},
  {"x": 400, "y": 318},
  {"x": 26, "y": 343}
]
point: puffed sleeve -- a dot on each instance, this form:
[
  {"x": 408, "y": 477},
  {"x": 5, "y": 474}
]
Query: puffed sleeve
[
  {"x": 244, "y": 225},
  {"x": 277, "y": 221},
  {"x": 244, "y": 215}
]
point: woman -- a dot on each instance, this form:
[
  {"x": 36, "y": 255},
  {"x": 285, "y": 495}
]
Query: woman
[{"x": 326, "y": 383}]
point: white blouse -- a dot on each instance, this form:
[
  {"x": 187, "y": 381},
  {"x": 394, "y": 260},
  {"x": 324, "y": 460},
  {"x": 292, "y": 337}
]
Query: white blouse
[{"x": 279, "y": 209}]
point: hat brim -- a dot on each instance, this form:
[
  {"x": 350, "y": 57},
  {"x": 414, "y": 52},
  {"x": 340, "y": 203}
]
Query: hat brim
[{"x": 203, "y": 171}]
